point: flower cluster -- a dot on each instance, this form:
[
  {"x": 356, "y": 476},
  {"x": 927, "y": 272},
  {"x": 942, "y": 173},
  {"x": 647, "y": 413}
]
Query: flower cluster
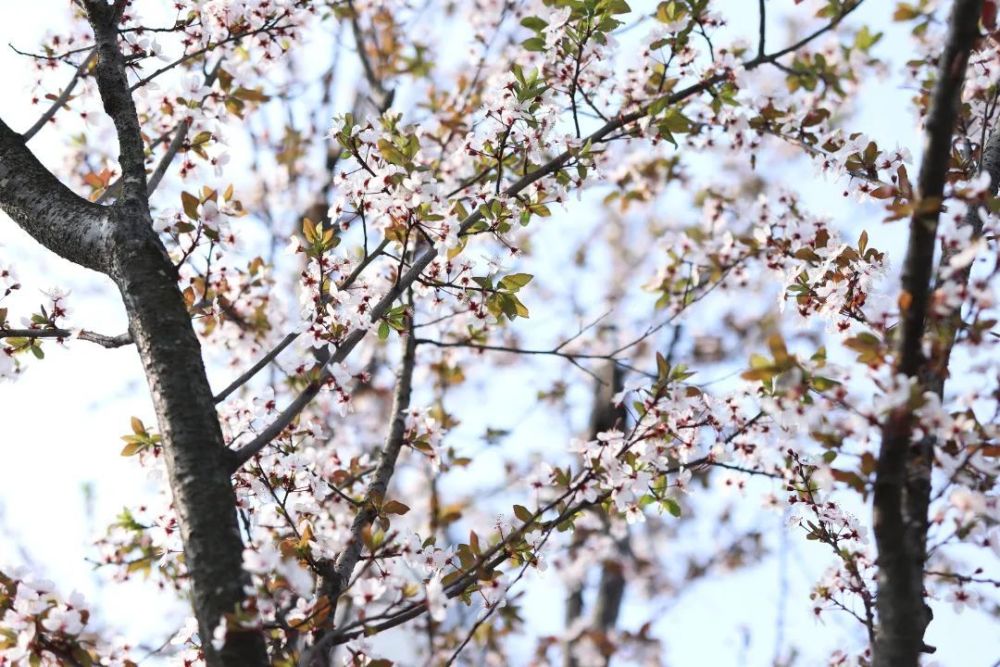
[{"x": 39, "y": 627}]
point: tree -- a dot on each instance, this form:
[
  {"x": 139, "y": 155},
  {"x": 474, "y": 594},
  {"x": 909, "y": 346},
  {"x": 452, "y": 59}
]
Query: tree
[{"x": 417, "y": 258}]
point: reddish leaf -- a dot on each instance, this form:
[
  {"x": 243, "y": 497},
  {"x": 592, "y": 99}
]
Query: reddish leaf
[{"x": 990, "y": 14}]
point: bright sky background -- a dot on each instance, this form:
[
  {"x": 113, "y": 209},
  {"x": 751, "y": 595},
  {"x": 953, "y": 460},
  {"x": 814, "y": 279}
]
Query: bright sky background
[{"x": 60, "y": 423}]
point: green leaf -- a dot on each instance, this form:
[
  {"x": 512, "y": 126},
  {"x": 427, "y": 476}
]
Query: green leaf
[
  {"x": 822, "y": 384},
  {"x": 540, "y": 210},
  {"x": 251, "y": 95},
  {"x": 515, "y": 281},
  {"x": 674, "y": 121},
  {"x": 520, "y": 310},
  {"x": 523, "y": 513},
  {"x": 615, "y": 6},
  {"x": 309, "y": 230},
  {"x": 391, "y": 153},
  {"x": 483, "y": 281},
  {"x": 533, "y": 44},
  {"x": 865, "y": 39},
  {"x": 132, "y": 448},
  {"x": 534, "y": 23},
  {"x": 672, "y": 506},
  {"x": 662, "y": 368},
  {"x": 190, "y": 205},
  {"x": 668, "y": 12}
]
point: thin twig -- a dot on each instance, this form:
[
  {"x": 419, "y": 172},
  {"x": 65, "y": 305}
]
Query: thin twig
[
  {"x": 256, "y": 368},
  {"x": 89, "y": 336},
  {"x": 267, "y": 27},
  {"x": 290, "y": 338},
  {"x": 63, "y": 98}
]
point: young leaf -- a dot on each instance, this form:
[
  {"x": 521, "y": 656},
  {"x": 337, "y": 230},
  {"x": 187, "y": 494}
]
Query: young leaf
[{"x": 395, "y": 507}]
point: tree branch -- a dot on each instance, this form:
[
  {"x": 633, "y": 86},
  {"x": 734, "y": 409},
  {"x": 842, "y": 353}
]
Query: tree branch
[
  {"x": 762, "y": 27},
  {"x": 902, "y": 481},
  {"x": 256, "y": 368},
  {"x": 338, "y": 579},
  {"x": 267, "y": 27},
  {"x": 482, "y": 347},
  {"x": 285, "y": 342},
  {"x": 112, "y": 81},
  {"x": 498, "y": 553},
  {"x": 383, "y": 97},
  {"x": 319, "y": 206},
  {"x": 89, "y": 336},
  {"x": 51, "y": 213},
  {"x": 63, "y": 98},
  {"x": 420, "y": 263},
  {"x": 387, "y": 464},
  {"x": 178, "y": 141}
]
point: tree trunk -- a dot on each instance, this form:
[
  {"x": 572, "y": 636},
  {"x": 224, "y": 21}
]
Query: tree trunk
[
  {"x": 604, "y": 416},
  {"x": 195, "y": 452},
  {"x": 903, "y": 474}
]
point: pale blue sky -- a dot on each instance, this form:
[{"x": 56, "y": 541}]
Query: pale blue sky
[{"x": 62, "y": 421}]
